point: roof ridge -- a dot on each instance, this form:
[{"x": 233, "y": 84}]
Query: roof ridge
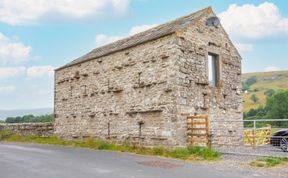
[
  {"x": 139, "y": 38},
  {"x": 160, "y": 25},
  {"x": 189, "y": 15}
]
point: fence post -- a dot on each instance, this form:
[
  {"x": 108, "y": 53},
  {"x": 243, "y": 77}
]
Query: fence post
[{"x": 254, "y": 134}]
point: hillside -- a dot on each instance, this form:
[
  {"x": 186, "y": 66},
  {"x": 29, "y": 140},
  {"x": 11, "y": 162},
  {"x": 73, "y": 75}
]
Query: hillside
[{"x": 277, "y": 80}]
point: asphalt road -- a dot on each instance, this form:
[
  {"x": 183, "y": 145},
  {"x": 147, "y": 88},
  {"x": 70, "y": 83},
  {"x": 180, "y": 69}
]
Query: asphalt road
[{"x": 46, "y": 161}]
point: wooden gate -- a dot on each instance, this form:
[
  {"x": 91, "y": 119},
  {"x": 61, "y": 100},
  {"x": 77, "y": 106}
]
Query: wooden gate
[{"x": 198, "y": 131}]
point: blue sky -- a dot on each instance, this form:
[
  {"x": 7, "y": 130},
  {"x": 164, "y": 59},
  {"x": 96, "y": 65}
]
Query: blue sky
[{"x": 38, "y": 36}]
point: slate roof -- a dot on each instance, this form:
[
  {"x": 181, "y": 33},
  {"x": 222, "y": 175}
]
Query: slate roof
[{"x": 148, "y": 35}]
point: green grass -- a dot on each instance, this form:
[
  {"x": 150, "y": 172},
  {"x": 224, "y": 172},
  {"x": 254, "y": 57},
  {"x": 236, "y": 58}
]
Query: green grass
[
  {"x": 269, "y": 162},
  {"x": 190, "y": 153},
  {"x": 262, "y": 85},
  {"x": 5, "y": 134}
]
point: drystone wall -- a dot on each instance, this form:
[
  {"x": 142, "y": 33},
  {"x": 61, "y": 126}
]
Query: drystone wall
[
  {"x": 222, "y": 104},
  {"x": 35, "y": 129}
]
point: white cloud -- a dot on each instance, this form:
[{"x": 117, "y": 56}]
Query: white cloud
[
  {"x": 254, "y": 21},
  {"x": 40, "y": 71},
  {"x": 271, "y": 68},
  {"x": 31, "y": 11},
  {"x": 141, "y": 28},
  {"x": 8, "y": 72},
  {"x": 30, "y": 72},
  {"x": 243, "y": 47},
  {"x": 12, "y": 51},
  {"x": 102, "y": 39},
  {"x": 7, "y": 89}
]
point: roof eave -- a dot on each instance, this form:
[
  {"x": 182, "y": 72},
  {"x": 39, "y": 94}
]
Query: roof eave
[{"x": 93, "y": 58}]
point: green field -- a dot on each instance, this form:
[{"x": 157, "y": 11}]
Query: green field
[{"x": 265, "y": 80}]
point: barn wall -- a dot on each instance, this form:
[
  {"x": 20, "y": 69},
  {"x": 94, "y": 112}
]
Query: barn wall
[
  {"x": 111, "y": 96},
  {"x": 144, "y": 94},
  {"x": 222, "y": 104}
]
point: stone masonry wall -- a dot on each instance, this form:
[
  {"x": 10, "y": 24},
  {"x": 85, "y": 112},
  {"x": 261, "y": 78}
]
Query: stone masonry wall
[
  {"x": 125, "y": 96},
  {"x": 35, "y": 129},
  {"x": 144, "y": 94},
  {"x": 222, "y": 104}
]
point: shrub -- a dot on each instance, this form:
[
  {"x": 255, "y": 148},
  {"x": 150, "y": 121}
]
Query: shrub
[
  {"x": 180, "y": 153},
  {"x": 104, "y": 145},
  {"x": 206, "y": 153},
  {"x": 158, "y": 151}
]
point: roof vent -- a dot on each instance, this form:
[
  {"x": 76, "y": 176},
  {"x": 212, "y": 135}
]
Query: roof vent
[{"x": 213, "y": 21}]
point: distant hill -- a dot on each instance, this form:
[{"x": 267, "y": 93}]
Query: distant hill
[
  {"x": 277, "y": 80},
  {"x": 36, "y": 112}
]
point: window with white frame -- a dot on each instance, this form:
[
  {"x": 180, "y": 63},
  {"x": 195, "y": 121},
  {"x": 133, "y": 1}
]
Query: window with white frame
[{"x": 213, "y": 69}]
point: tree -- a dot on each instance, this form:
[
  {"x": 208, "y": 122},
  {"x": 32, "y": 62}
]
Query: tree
[
  {"x": 30, "y": 118},
  {"x": 258, "y": 113},
  {"x": 10, "y": 120},
  {"x": 277, "y": 106},
  {"x": 254, "y": 98}
]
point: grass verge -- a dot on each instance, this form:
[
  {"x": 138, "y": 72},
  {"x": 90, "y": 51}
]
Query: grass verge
[
  {"x": 190, "y": 153},
  {"x": 269, "y": 162}
]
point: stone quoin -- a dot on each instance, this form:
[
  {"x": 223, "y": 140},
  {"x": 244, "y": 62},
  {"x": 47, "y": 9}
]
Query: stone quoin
[{"x": 142, "y": 88}]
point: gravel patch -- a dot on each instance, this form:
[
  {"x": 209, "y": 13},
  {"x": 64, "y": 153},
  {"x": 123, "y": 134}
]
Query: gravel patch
[
  {"x": 240, "y": 165},
  {"x": 238, "y": 159},
  {"x": 260, "y": 151}
]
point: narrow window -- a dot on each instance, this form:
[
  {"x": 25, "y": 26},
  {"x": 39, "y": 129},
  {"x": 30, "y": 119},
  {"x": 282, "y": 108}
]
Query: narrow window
[
  {"x": 140, "y": 123},
  {"x": 213, "y": 69}
]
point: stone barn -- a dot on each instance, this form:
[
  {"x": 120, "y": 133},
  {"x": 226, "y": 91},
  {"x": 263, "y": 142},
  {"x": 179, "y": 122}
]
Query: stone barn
[{"x": 144, "y": 88}]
